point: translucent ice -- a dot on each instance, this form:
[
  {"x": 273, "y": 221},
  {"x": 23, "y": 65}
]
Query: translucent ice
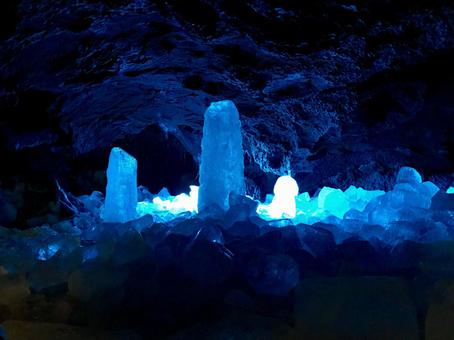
[
  {"x": 333, "y": 201},
  {"x": 450, "y": 190},
  {"x": 121, "y": 192},
  {"x": 47, "y": 252},
  {"x": 167, "y": 207},
  {"x": 180, "y": 203},
  {"x": 283, "y": 203},
  {"x": 408, "y": 175},
  {"x": 358, "y": 197},
  {"x": 222, "y": 164}
]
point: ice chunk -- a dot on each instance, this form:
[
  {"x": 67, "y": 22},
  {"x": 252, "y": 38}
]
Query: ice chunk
[
  {"x": 408, "y": 175},
  {"x": 283, "y": 204},
  {"x": 121, "y": 191},
  {"x": 356, "y": 215},
  {"x": 418, "y": 230},
  {"x": 166, "y": 207},
  {"x": 92, "y": 203},
  {"x": 47, "y": 252},
  {"x": 359, "y": 198},
  {"x": 333, "y": 201},
  {"x": 450, "y": 190},
  {"x": 306, "y": 208},
  {"x": 428, "y": 189},
  {"x": 222, "y": 162}
]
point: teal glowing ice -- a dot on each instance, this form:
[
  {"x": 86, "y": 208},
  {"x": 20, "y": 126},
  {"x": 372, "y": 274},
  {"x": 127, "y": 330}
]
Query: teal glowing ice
[
  {"x": 166, "y": 208},
  {"x": 222, "y": 172},
  {"x": 408, "y": 199}
]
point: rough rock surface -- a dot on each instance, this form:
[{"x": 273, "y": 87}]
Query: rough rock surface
[
  {"x": 339, "y": 93},
  {"x": 355, "y": 308}
]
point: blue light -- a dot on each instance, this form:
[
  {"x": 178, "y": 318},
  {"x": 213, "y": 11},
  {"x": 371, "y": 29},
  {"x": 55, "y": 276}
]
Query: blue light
[{"x": 46, "y": 253}]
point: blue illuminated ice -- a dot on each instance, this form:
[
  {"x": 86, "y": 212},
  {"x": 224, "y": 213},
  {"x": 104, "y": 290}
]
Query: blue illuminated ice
[
  {"x": 355, "y": 211},
  {"x": 165, "y": 207},
  {"x": 180, "y": 203},
  {"x": 359, "y": 197},
  {"x": 121, "y": 192},
  {"x": 333, "y": 202},
  {"x": 409, "y": 200},
  {"x": 47, "y": 252},
  {"x": 408, "y": 175},
  {"x": 222, "y": 162},
  {"x": 283, "y": 204}
]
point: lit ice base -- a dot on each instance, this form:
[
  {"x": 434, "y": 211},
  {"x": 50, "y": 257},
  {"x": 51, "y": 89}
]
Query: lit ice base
[
  {"x": 409, "y": 200},
  {"x": 330, "y": 204},
  {"x": 327, "y": 204},
  {"x": 164, "y": 207},
  {"x": 410, "y": 203}
]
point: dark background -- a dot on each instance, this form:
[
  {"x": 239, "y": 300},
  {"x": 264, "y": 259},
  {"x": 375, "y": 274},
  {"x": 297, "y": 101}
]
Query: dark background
[{"x": 339, "y": 93}]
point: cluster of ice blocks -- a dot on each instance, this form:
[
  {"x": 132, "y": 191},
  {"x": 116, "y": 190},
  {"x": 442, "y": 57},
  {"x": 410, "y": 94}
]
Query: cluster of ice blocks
[
  {"x": 407, "y": 201},
  {"x": 411, "y": 199},
  {"x": 222, "y": 177},
  {"x": 412, "y": 210}
]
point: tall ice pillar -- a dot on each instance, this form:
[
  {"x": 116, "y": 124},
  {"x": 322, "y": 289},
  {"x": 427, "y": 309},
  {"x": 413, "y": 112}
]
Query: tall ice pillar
[
  {"x": 222, "y": 163},
  {"x": 121, "y": 192}
]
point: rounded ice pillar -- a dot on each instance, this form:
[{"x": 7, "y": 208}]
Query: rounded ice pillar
[
  {"x": 283, "y": 204},
  {"x": 121, "y": 191},
  {"x": 222, "y": 162}
]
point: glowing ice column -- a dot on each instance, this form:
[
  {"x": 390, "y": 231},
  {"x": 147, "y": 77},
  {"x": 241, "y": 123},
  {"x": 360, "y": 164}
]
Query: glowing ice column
[
  {"x": 283, "y": 204},
  {"x": 222, "y": 163},
  {"x": 121, "y": 192}
]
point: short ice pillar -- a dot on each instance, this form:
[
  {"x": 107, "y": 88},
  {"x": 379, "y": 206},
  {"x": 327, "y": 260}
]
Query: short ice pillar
[
  {"x": 121, "y": 192},
  {"x": 222, "y": 162},
  {"x": 283, "y": 204}
]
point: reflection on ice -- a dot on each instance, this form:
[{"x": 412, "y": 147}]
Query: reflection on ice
[{"x": 410, "y": 199}]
